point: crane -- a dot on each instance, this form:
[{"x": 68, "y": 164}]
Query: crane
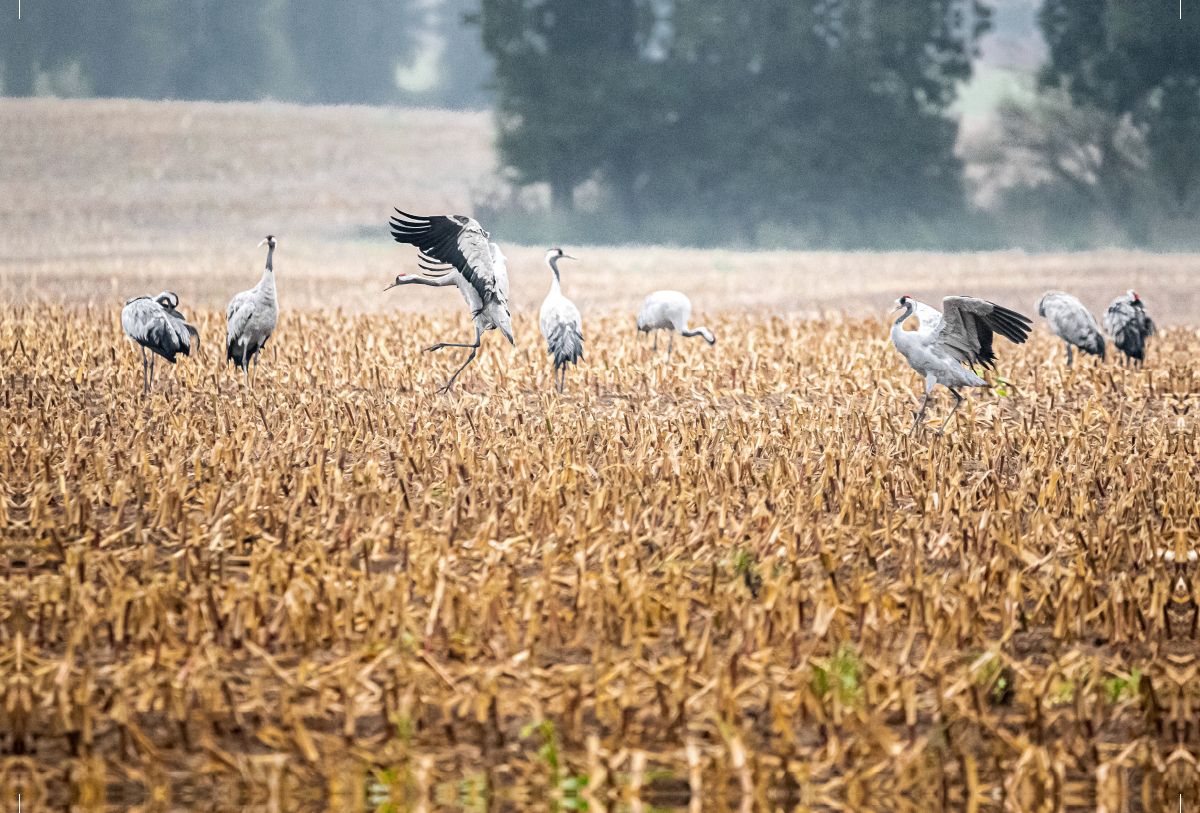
[
  {"x": 155, "y": 324},
  {"x": 944, "y": 342},
  {"x": 251, "y": 318},
  {"x": 1071, "y": 322},
  {"x": 454, "y": 250},
  {"x": 560, "y": 322},
  {"x": 669, "y": 310},
  {"x": 1126, "y": 321}
]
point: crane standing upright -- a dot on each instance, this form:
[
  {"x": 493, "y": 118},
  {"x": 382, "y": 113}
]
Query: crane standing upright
[
  {"x": 943, "y": 343},
  {"x": 251, "y": 318},
  {"x": 669, "y": 310},
  {"x": 159, "y": 327},
  {"x": 455, "y": 250},
  {"x": 1071, "y": 322},
  {"x": 560, "y": 322},
  {"x": 1129, "y": 325}
]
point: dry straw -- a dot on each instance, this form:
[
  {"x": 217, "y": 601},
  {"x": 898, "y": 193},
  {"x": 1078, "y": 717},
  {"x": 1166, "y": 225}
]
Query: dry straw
[{"x": 730, "y": 580}]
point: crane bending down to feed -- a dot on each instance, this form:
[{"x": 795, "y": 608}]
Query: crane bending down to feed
[
  {"x": 251, "y": 318},
  {"x": 455, "y": 250},
  {"x": 156, "y": 325},
  {"x": 560, "y": 322},
  {"x": 944, "y": 342},
  {"x": 669, "y": 310},
  {"x": 1126, "y": 321},
  {"x": 1071, "y": 322}
]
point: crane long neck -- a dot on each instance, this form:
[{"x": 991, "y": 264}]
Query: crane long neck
[
  {"x": 556, "y": 284},
  {"x": 267, "y": 283},
  {"x": 907, "y": 313}
]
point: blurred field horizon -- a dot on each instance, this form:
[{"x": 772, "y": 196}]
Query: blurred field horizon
[{"x": 101, "y": 200}]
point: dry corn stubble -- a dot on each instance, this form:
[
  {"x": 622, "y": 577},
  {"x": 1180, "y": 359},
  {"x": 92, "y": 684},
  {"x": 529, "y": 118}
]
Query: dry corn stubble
[{"x": 730, "y": 576}]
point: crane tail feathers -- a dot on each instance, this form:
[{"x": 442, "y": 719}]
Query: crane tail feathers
[{"x": 566, "y": 345}]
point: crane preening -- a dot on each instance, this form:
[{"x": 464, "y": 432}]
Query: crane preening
[
  {"x": 157, "y": 326},
  {"x": 1129, "y": 325},
  {"x": 560, "y": 322},
  {"x": 944, "y": 342},
  {"x": 669, "y": 310},
  {"x": 251, "y": 318},
  {"x": 455, "y": 250},
  {"x": 1071, "y": 322}
]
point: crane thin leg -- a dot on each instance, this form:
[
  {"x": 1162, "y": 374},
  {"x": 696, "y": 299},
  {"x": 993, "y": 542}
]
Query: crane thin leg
[
  {"x": 957, "y": 403},
  {"x": 671, "y": 345},
  {"x": 1070, "y": 354},
  {"x": 151, "y": 368},
  {"x": 920, "y": 414},
  {"x": 246, "y": 366},
  {"x": 145, "y": 375},
  {"x": 655, "y": 350},
  {"x": 470, "y": 358},
  {"x": 474, "y": 350},
  {"x": 256, "y": 357},
  {"x": 440, "y": 345}
]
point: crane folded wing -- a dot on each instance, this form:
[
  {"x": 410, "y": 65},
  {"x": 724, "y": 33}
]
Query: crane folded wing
[
  {"x": 969, "y": 323},
  {"x": 145, "y": 321},
  {"x": 237, "y": 317}
]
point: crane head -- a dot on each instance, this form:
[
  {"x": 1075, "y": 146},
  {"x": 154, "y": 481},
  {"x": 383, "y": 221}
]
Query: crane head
[
  {"x": 268, "y": 241},
  {"x": 1133, "y": 295},
  {"x": 558, "y": 254},
  {"x": 903, "y": 302},
  {"x": 401, "y": 279},
  {"x": 168, "y": 300}
]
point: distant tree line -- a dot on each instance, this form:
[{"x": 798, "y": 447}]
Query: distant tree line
[
  {"x": 803, "y": 123},
  {"x": 825, "y": 123},
  {"x": 716, "y": 120},
  {"x": 308, "y": 51}
]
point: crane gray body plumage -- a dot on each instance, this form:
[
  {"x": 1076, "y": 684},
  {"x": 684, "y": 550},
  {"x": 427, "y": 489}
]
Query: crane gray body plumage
[
  {"x": 251, "y": 319},
  {"x": 560, "y": 322},
  {"x": 1070, "y": 321},
  {"x": 960, "y": 335},
  {"x": 669, "y": 310},
  {"x": 156, "y": 325},
  {"x": 454, "y": 250},
  {"x": 1129, "y": 325}
]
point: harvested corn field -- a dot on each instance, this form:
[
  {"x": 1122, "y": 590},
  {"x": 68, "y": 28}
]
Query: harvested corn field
[{"x": 728, "y": 580}]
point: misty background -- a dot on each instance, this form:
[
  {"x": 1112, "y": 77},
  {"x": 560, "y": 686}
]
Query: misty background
[{"x": 822, "y": 124}]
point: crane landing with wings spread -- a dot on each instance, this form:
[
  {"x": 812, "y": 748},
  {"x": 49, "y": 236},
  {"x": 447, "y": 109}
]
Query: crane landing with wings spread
[
  {"x": 946, "y": 341},
  {"x": 454, "y": 250}
]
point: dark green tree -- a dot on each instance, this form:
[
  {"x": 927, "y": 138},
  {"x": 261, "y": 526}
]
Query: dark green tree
[
  {"x": 737, "y": 114},
  {"x": 1137, "y": 60},
  {"x": 568, "y": 73}
]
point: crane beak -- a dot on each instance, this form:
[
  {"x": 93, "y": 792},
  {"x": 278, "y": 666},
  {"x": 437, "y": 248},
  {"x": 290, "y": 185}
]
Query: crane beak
[
  {"x": 569, "y": 257},
  {"x": 394, "y": 284},
  {"x": 263, "y": 243}
]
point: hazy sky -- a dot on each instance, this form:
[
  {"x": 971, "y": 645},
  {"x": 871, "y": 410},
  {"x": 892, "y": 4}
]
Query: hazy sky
[{"x": 1015, "y": 40}]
